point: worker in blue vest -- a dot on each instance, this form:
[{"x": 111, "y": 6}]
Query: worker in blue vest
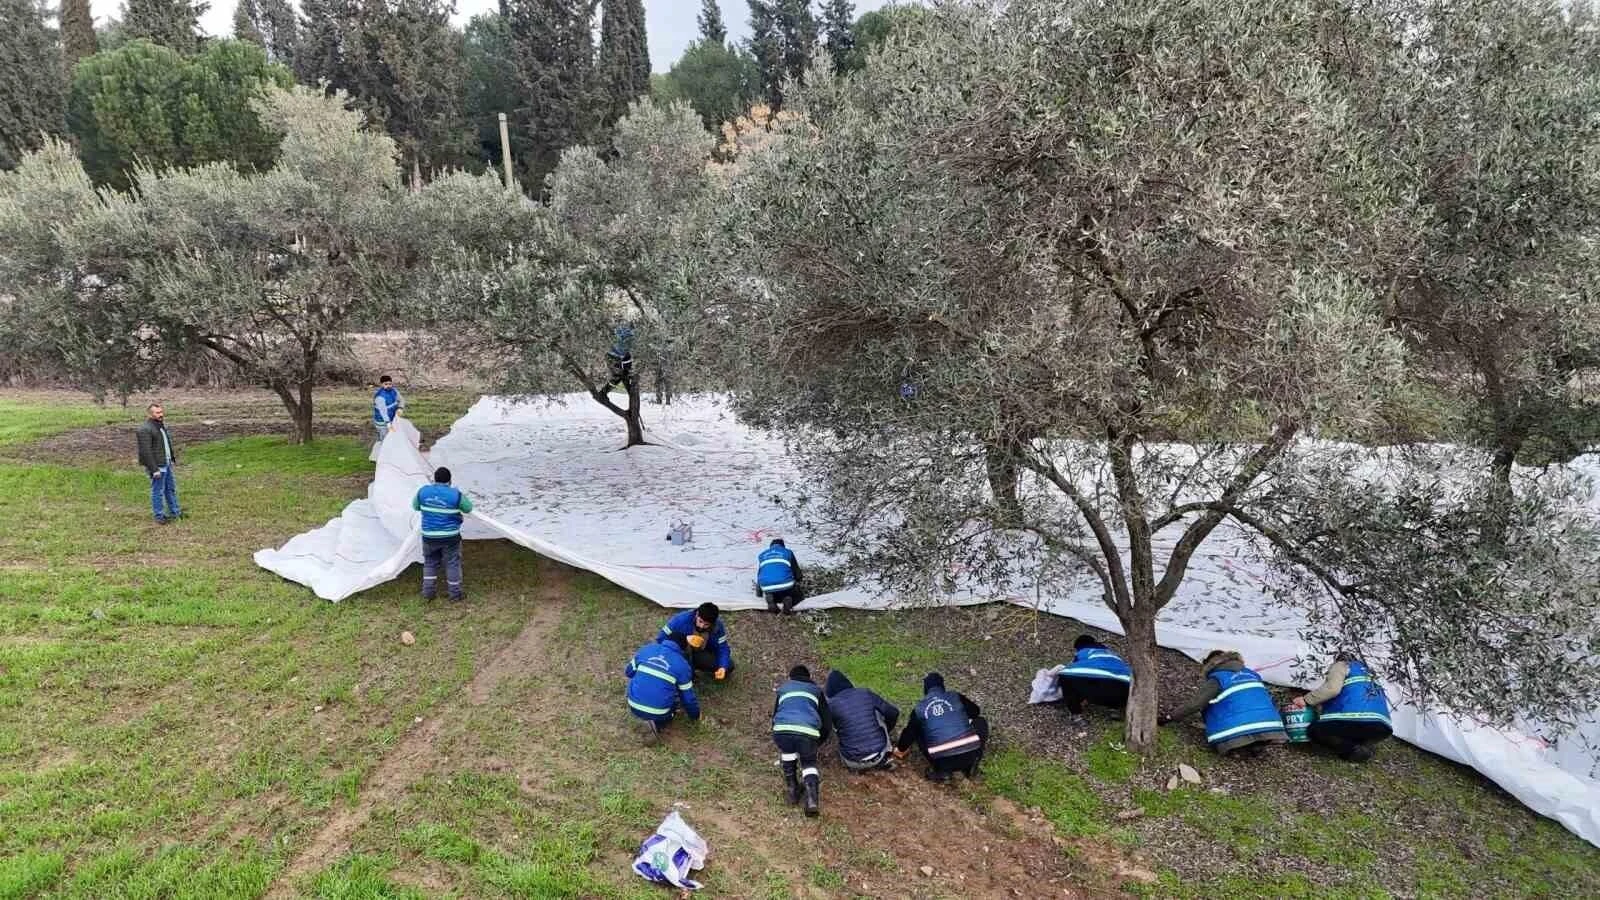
[
  {"x": 660, "y": 681},
  {"x": 387, "y": 404},
  {"x": 1241, "y": 717},
  {"x": 1096, "y": 675},
  {"x": 442, "y": 508},
  {"x": 948, "y": 727},
  {"x": 1352, "y": 711},
  {"x": 619, "y": 359},
  {"x": 800, "y": 722},
  {"x": 778, "y": 577},
  {"x": 701, "y": 635}
]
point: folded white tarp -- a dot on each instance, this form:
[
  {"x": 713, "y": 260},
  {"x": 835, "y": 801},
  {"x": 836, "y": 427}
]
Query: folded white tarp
[{"x": 552, "y": 478}]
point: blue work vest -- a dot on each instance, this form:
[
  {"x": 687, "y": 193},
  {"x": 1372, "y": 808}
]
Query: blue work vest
[
  {"x": 775, "y": 569},
  {"x": 1360, "y": 700},
  {"x": 1098, "y": 662},
  {"x": 799, "y": 709},
  {"x": 390, "y": 399},
  {"x": 945, "y": 725},
  {"x": 1243, "y": 707},
  {"x": 441, "y": 510},
  {"x": 660, "y": 680}
]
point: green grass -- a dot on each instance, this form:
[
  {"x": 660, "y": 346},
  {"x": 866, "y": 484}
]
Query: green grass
[
  {"x": 1068, "y": 801},
  {"x": 29, "y": 873},
  {"x": 877, "y": 654},
  {"x": 22, "y": 421},
  {"x": 361, "y": 877}
]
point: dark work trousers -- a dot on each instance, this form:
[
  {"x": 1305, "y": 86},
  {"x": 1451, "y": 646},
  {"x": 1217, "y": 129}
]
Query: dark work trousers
[
  {"x": 1099, "y": 691},
  {"x": 962, "y": 762},
  {"x": 785, "y": 600},
  {"x": 704, "y": 659},
  {"x": 1344, "y": 737},
  {"x": 797, "y": 754},
  {"x": 442, "y": 553}
]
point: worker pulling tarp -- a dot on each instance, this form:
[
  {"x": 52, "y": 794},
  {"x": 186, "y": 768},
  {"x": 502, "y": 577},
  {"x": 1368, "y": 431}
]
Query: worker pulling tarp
[{"x": 545, "y": 475}]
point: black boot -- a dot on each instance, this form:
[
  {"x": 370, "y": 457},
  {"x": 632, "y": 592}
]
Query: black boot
[
  {"x": 813, "y": 795},
  {"x": 791, "y": 784},
  {"x": 772, "y": 605}
]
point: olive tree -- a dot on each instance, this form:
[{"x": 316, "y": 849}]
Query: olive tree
[
  {"x": 1499, "y": 289},
  {"x": 1059, "y": 289},
  {"x": 263, "y": 271},
  {"x": 620, "y": 242}
]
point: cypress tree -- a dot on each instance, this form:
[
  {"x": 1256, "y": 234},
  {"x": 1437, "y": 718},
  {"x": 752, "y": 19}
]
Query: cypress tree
[
  {"x": 320, "y": 51},
  {"x": 32, "y": 93},
  {"x": 838, "y": 27},
  {"x": 711, "y": 26},
  {"x": 766, "y": 46},
  {"x": 624, "y": 57},
  {"x": 245, "y": 15},
  {"x": 552, "y": 46},
  {"x": 77, "y": 31},
  {"x": 170, "y": 23}
]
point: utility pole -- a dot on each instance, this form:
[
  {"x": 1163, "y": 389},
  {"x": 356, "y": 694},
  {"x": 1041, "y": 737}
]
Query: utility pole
[{"x": 505, "y": 150}]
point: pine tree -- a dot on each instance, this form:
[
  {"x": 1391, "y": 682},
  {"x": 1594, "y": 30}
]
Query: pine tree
[
  {"x": 77, "y": 30},
  {"x": 170, "y": 23},
  {"x": 798, "y": 28},
  {"x": 624, "y": 57},
  {"x": 711, "y": 26},
  {"x": 838, "y": 25},
  {"x": 245, "y": 15},
  {"x": 411, "y": 76},
  {"x": 552, "y": 45},
  {"x": 32, "y": 94}
]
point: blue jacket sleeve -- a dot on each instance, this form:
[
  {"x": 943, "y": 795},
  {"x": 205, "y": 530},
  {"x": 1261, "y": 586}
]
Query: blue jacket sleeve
[
  {"x": 724, "y": 652},
  {"x": 691, "y": 703},
  {"x": 627, "y": 671},
  {"x": 890, "y": 712}
]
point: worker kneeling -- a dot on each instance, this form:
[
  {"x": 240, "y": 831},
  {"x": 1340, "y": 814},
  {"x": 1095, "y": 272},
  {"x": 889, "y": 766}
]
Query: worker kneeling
[
  {"x": 864, "y": 721},
  {"x": 659, "y": 681},
  {"x": 1352, "y": 711},
  {"x": 700, "y": 634},
  {"x": 1239, "y": 712},
  {"x": 800, "y": 722},
  {"x": 1095, "y": 675},
  {"x": 948, "y": 727},
  {"x": 778, "y": 577}
]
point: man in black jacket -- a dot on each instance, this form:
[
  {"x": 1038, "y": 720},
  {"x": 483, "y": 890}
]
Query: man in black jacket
[
  {"x": 864, "y": 722},
  {"x": 158, "y": 456},
  {"x": 948, "y": 727}
]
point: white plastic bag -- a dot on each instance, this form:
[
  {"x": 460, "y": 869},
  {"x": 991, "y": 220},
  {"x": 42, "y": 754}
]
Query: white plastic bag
[
  {"x": 1045, "y": 687},
  {"x": 669, "y": 855}
]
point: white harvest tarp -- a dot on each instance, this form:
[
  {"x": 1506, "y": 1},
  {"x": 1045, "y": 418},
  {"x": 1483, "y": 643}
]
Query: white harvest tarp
[{"x": 551, "y": 478}]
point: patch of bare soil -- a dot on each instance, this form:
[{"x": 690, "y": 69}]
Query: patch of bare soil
[
  {"x": 416, "y": 754},
  {"x": 944, "y": 844},
  {"x": 116, "y": 442}
]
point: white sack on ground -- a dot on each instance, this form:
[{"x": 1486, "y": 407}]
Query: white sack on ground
[{"x": 551, "y": 477}]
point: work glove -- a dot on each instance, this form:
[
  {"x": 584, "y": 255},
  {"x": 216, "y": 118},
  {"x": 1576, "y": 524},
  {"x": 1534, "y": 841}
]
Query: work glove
[
  {"x": 720, "y": 674},
  {"x": 897, "y": 753},
  {"x": 697, "y": 641}
]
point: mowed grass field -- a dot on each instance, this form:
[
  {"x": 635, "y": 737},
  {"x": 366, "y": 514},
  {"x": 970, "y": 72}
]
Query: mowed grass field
[{"x": 175, "y": 722}]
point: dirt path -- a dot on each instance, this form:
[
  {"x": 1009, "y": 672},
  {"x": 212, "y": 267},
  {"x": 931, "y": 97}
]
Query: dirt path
[{"x": 416, "y": 754}]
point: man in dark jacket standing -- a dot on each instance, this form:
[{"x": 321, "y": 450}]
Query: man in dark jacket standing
[
  {"x": 864, "y": 722},
  {"x": 158, "y": 456},
  {"x": 948, "y": 727}
]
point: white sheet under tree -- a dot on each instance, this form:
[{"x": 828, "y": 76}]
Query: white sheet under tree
[{"x": 551, "y": 478}]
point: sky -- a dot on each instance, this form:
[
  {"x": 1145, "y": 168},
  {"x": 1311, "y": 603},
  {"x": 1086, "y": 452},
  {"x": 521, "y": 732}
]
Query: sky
[{"x": 671, "y": 23}]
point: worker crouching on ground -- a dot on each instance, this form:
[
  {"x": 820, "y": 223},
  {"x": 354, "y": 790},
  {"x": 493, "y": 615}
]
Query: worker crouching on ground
[
  {"x": 778, "y": 577},
  {"x": 800, "y": 722},
  {"x": 701, "y": 635},
  {"x": 948, "y": 727},
  {"x": 1239, "y": 713},
  {"x": 442, "y": 508},
  {"x": 864, "y": 721},
  {"x": 1352, "y": 711},
  {"x": 1095, "y": 675},
  {"x": 659, "y": 681}
]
